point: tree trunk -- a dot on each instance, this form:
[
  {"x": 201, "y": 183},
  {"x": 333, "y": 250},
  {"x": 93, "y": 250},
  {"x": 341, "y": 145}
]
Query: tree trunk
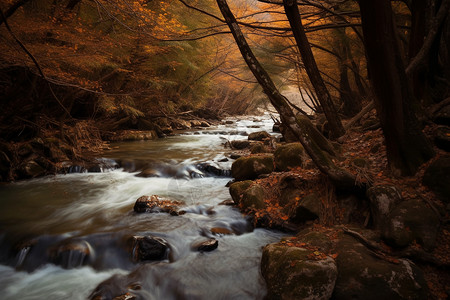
[
  {"x": 340, "y": 177},
  {"x": 406, "y": 145},
  {"x": 352, "y": 105},
  {"x": 293, "y": 15}
]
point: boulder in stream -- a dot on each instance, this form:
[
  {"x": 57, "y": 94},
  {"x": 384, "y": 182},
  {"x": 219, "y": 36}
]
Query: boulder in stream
[
  {"x": 248, "y": 168},
  {"x": 148, "y": 248},
  {"x": 238, "y": 188},
  {"x": 258, "y": 136},
  {"x": 240, "y": 144},
  {"x": 153, "y": 204},
  {"x": 253, "y": 197},
  {"x": 70, "y": 254},
  {"x": 206, "y": 246}
]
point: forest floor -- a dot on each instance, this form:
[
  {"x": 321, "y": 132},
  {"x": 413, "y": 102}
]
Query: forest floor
[{"x": 365, "y": 146}]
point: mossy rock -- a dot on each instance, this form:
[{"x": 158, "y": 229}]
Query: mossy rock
[
  {"x": 238, "y": 188},
  {"x": 240, "y": 144},
  {"x": 253, "y": 197},
  {"x": 258, "y": 136},
  {"x": 288, "y": 156},
  {"x": 382, "y": 199},
  {"x": 258, "y": 148},
  {"x": 363, "y": 276},
  {"x": 290, "y": 274},
  {"x": 437, "y": 177},
  {"x": 410, "y": 221},
  {"x": 309, "y": 208},
  {"x": 315, "y": 239},
  {"x": 248, "y": 168}
]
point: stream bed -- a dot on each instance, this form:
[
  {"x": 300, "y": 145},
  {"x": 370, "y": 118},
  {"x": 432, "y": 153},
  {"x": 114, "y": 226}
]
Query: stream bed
[{"x": 94, "y": 212}]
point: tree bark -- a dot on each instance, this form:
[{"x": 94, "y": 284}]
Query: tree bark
[
  {"x": 340, "y": 177},
  {"x": 293, "y": 15},
  {"x": 406, "y": 145}
]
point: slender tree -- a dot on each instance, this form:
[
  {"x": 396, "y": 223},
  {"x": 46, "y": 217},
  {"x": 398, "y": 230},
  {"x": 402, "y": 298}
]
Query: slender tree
[
  {"x": 406, "y": 145},
  {"x": 339, "y": 176},
  {"x": 293, "y": 15}
]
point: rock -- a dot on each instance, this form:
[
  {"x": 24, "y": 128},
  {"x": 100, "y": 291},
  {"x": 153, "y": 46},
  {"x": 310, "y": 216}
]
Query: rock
[
  {"x": 290, "y": 273},
  {"x": 227, "y": 202},
  {"x": 147, "y": 248},
  {"x": 258, "y": 148},
  {"x": 315, "y": 239},
  {"x": 288, "y": 156},
  {"x": 309, "y": 208},
  {"x": 238, "y": 188},
  {"x": 362, "y": 276},
  {"x": 258, "y": 136},
  {"x": 276, "y": 128},
  {"x": 349, "y": 207},
  {"x": 149, "y": 172},
  {"x": 409, "y": 221},
  {"x": 442, "y": 138},
  {"x": 70, "y": 254},
  {"x": 253, "y": 197},
  {"x": 442, "y": 117},
  {"x": 31, "y": 169},
  {"x": 206, "y": 246},
  {"x": 154, "y": 205},
  {"x": 221, "y": 231},
  {"x": 229, "y": 122},
  {"x": 382, "y": 199},
  {"x": 213, "y": 170},
  {"x": 251, "y": 167},
  {"x": 288, "y": 197},
  {"x": 235, "y": 155},
  {"x": 240, "y": 144},
  {"x": 437, "y": 177}
]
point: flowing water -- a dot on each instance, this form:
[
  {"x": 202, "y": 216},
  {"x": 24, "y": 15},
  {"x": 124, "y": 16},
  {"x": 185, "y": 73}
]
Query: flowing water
[{"x": 94, "y": 212}]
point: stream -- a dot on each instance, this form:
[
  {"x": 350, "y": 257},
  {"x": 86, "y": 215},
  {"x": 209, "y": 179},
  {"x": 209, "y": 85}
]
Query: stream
[{"x": 94, "y": 212}]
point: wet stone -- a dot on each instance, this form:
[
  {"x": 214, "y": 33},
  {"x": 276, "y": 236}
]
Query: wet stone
[
  {"x": 206, "y": 246},
  {"x": 153, "y": 204},
  {"x": 148, "y": 248}
]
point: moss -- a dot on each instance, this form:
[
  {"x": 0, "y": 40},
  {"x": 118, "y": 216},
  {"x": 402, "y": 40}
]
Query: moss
[
  {"x": 258, "y": 148},
  {"x": 245, "y": 168},
  {"x": 288, "y": 156},
  {"x": 290, "y": 274},
  {"x": 238, "y": 188},
  {"x": 253, "y": 197}
]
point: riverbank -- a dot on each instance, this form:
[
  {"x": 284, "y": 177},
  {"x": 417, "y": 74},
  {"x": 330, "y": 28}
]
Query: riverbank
[{"x": 387, "y": 236}]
